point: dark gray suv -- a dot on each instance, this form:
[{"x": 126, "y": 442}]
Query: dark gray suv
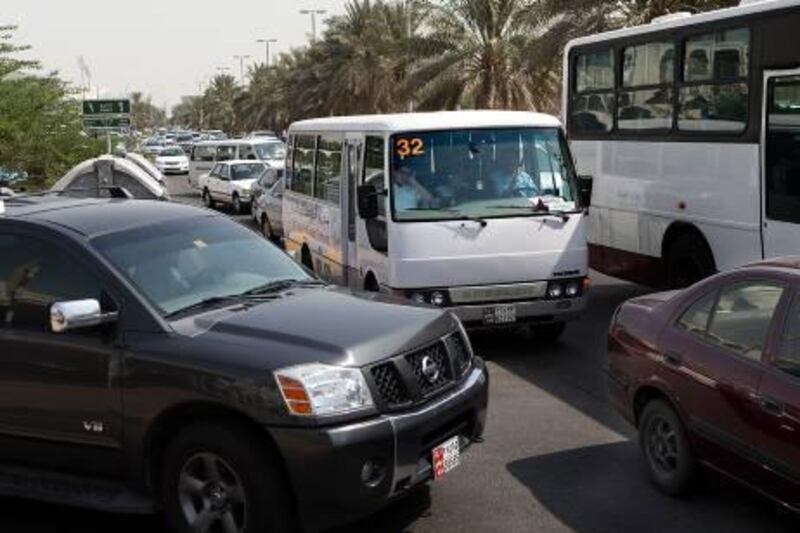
[{"x": 157, "y": 356}]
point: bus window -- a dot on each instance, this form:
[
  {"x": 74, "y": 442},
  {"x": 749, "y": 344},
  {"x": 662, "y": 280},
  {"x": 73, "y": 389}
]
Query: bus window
[
  {"x": 593, "y": 101},
  {"x": 303, "y": 168},
  {"x": 203, "y": 153},
  {"x": 714, "y": 94},
  {"x": 247, "y": 152},
  {"x": 650, "y": 65},
  {"x": 373, "y": 168},
  {"x": 329, "y": 169},
  {"x": 783, "y": 150}
]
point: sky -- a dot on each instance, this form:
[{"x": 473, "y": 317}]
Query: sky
[{"x": 165, "y": 48}]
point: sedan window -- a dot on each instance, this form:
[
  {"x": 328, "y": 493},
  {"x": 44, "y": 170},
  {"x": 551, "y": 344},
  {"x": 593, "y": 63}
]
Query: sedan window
[
  {"x": 742, "y": 317},
  {"x": 695, "y": 319},
  {"x": 789, "y": 353}
]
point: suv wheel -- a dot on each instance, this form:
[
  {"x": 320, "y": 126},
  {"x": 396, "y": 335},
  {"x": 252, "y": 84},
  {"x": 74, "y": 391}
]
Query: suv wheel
[
  {"x": 667, "y": 454},
  {"x": 207, "y": 200},
  {"x": 219, "y": 478}
]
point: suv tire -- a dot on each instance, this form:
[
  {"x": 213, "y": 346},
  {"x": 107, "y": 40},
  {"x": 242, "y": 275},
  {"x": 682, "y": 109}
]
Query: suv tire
[
  {"x": 214, "y": 473},
  {"x": 667, "y": 454}
]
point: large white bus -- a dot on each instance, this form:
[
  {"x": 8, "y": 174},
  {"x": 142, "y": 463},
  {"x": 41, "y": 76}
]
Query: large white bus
[
  {"x": 690, "y": 127},
  {"x": 476, "y": 211}
]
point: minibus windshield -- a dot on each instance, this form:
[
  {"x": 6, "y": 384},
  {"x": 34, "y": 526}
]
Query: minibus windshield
[{"x": 486, "y": 173}]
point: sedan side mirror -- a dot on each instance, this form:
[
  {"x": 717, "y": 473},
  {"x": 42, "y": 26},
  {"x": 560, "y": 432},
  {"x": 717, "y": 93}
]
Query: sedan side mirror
[
  {"x": 585, "y": 190},
  {"x": 77, "y": 314},
  {"x": 367, "y": 202}
]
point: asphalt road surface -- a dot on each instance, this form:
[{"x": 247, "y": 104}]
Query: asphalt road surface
[{"x": 557, "y": 457}]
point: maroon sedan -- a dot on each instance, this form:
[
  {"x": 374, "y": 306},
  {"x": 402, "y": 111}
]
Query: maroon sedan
[{"x": 711, "y": 375}]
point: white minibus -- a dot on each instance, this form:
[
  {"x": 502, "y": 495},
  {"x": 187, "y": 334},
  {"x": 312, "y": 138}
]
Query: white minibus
[
  {"x": 475, "y": 211},
  {"x": 205, "y": 154},
  {"x": 690, "y": 126}
]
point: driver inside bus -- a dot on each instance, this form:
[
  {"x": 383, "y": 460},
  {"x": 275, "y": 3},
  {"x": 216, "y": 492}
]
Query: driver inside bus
[
  {"x": 408, "y": 193},
  {"x": 510, "y": 178}
]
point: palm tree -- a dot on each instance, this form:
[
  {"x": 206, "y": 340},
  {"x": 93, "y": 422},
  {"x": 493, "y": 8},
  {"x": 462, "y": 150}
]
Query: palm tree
[
  {"x": 221, "y": 100},
  {"x": 478, "y": 53}
]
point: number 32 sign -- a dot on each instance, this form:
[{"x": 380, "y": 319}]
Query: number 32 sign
[{"x": 409, "y": 147}]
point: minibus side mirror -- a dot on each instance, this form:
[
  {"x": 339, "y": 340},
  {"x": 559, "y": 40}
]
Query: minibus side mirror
[
  {"x": 585, "y": 190},
  {"x": 367, "y": 202}
]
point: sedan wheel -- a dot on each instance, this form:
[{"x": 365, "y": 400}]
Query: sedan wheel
[
  {"x": 266, "y": 228},
  {"x": 207, "y": 200},
  {"x": 666, "y": 449},
  {"x": 237, "y": 204}
]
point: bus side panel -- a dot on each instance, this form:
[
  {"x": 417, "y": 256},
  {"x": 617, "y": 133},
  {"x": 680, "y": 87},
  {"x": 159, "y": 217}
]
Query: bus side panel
[
  {"x": 641, "y": 188},
  {"x": 317, "y": 225}
]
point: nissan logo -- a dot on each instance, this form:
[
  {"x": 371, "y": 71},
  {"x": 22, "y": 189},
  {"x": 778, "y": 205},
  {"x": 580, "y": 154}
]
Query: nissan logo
[{"x": 430, "y": 369}]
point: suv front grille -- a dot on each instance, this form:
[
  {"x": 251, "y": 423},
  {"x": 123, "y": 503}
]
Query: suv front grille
[
  {"x": 390, "y": 385},
  {"x": 414, "y": 377},
  {"x": 436, "y": 357}
]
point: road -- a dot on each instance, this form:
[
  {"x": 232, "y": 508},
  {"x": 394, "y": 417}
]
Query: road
[{"x": 557, "y": 457}]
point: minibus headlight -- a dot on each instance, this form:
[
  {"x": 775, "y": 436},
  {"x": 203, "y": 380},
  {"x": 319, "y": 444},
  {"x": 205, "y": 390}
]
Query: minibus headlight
[
  {"x": 555, "y": 290},
  {"x": 438, "y": 298},
  {"x": 323, "y": 390},
  {"x": 418, "y": 297},
  {"x": 573, "y": 289}
]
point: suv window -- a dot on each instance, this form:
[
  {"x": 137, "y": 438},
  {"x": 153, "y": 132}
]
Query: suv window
[
  {"x": 742, "y": 317},
  {"x": 35, "y": 274},
  {"x": 788, "y": 358}
]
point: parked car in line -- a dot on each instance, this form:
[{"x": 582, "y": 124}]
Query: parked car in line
[
  {"x": 267, "y": 208},
  {"x": 711, "y": 376},
  {"x": 206, "y": 154},
  {"x": 229, "y": 183},
  {"x": 162, "y": 356},
  {"x": 153, "y": 146},
  {"x": 172, "y": 160}
]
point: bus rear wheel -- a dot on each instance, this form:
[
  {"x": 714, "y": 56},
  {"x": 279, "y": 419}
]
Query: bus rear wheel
[{"x": 688, "y": 260}]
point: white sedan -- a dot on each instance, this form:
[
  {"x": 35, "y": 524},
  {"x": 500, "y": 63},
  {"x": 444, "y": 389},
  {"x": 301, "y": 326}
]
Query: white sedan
[
  {"x": 172, "y": 160},
  {"x": 230, "y": 182}
]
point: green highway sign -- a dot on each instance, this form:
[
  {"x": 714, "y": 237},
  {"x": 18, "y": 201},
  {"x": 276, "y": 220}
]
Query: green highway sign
[
  {"x": 107, "y": 122},
  {"x": 106, "y": 107}
]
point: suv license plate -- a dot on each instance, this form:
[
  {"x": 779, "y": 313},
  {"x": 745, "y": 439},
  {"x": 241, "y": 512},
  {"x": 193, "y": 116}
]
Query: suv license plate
[
  {"x": 500, "y": 314},
  {"x": 446, "y": 457}
]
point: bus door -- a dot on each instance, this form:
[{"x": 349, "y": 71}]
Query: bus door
[
  {"x": 780, "y": 152},
  {"x": 353, "y": 156}
]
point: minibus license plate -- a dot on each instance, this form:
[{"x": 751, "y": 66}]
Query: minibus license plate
[
  {"x": 446, "y": 457},
  {"x": 500, "y": 314}
]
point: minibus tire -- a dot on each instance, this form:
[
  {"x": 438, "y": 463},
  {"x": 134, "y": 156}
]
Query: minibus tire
[{"x": 688, "y": 261}]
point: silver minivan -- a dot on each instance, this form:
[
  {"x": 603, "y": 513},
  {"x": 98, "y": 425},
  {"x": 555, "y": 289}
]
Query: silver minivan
[{"x": 205, "y": 154}]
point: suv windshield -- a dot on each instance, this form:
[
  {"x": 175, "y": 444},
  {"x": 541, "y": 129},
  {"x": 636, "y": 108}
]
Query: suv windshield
[
  {"x": 178, "y": 265},
  {"x": 274, "y": 150},
  {"x": 486, "y": 173},
  {"x": 246, "y": 171}
]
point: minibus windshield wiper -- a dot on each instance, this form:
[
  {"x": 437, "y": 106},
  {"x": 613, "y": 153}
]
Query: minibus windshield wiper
[
  {"x": 563, "y": 215},
  {"x": 460, "y": 215},
  {"x": 280, "y": 285}
]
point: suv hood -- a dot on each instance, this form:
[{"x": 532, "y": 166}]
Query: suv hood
[{"x": 326, "y": 325}]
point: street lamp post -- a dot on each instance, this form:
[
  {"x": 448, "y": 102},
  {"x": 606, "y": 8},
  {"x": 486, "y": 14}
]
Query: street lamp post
[
  {"x": 313, "y": 13},
  {"x": 241, "y": 66},
  {"x": 267, "y": 43}
]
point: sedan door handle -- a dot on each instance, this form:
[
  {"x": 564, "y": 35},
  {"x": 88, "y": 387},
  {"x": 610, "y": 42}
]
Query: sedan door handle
[
  {"x": 673, "y": 359},
  {"x": 771, "y": 406}
]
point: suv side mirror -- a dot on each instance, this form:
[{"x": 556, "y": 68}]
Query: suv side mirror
[
  {"x": 367, "y": 201},
  {"x": 76, "y": 314},
  {"x": 585, "y": 190}
]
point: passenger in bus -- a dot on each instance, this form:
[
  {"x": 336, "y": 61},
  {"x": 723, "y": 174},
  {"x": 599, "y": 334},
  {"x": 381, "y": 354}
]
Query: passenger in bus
[{"x": 408, "y": 193}]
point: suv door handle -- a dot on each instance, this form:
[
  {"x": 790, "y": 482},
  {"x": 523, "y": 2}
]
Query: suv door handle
[
  {"x": 771, "y": 406},
  {"x": 673, "y": 359}
]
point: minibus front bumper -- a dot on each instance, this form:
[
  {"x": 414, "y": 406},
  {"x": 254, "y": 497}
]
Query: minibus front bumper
[{"x": 530, "y": 312}]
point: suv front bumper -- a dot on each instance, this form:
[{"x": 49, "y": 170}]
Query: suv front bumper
[{"x": 325, "y": 464}]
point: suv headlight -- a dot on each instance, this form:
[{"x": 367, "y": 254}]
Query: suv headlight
[{"x": 323, "y": 390}]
